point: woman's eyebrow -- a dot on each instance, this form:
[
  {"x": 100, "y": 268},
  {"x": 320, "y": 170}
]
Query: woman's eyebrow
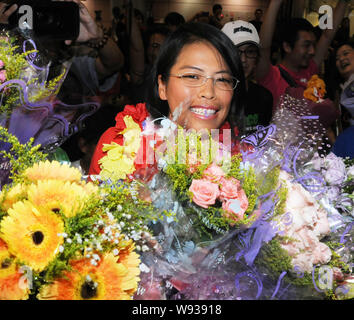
[
  {"x": 191, "y": 67},
  {"x": 199, "y": 69}
]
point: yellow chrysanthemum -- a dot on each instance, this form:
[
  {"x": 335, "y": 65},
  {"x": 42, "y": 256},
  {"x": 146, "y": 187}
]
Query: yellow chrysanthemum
[
  {"x": 131, "y": 135},
  {"x": 32, "y": 234},
  {"x": 47, "y": 170},
  {"x": 13, "y": 284},
  {"x": 116, "y": 169},
  {"x": 57, "y": 195},
  {"x": 107, "y": 281},
  {"x": 119, "y": 161},
  {"x": 16, "y": 193}
]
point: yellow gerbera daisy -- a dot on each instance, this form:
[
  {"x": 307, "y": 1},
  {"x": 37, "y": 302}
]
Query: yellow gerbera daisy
[
  {"x": 57, "y": 195},
  {"x": 46, "y": 170},
  {"x": 130, "y": 259},
  {"x": 107, "y": 281},
  {"x": 32, "y": 234},
  {"x": 89, "y": 188},
  {"x": 13, "y": 284},
  {"x": 9, "y": 197}
]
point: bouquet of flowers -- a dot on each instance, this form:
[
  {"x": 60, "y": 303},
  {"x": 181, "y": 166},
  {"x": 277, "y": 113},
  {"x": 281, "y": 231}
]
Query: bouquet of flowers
[
  {"x": 64, "y": 238},
  {"x": 28, "y": 95},
  {"x": 251, "y": 228}
]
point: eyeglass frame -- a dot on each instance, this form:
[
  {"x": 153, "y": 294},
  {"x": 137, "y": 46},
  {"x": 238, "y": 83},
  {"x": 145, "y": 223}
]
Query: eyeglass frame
[
  {"x": 240, "y": 52},
  {"x": 206, "y": 78}
]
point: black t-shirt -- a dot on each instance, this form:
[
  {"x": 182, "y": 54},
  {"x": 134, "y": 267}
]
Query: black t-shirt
[{"x": 258, "y": 109}]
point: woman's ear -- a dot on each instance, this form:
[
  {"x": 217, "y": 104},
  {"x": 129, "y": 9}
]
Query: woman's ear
[
  {"x": 162, "y": 88},
  {"x": 287, "y": 48}
]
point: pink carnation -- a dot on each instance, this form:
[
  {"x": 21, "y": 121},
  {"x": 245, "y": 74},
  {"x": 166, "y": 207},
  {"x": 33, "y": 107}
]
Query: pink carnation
[
  {"x": 204, "y": 192},
  {"x": 229, "y": 188},
  {"x": 213, "y": 173},
  {"x": 2, "y": 76},
  {"x": 235, "y": 208}
]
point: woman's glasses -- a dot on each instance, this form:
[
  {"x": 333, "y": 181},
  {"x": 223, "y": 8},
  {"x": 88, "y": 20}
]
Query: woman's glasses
[{"x": 222, "y": 81}]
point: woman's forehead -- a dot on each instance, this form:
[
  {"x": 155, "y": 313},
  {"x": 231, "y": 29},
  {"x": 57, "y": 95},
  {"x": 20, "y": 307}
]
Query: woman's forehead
[
  {"x": 202, "y": 55},
  {"x": 344, "y": 48}
]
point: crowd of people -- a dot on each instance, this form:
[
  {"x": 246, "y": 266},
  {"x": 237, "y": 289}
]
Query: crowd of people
[
  {"x": 131, "y": 62},
  {"x": 252, "y": 210}
]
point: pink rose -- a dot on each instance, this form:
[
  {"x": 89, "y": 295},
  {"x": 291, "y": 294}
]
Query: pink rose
[
  {"x": 213, "y": 173},
  {"x": 229, "y": 189},
  {"x": 2, "y": 76},
  {"x": 204, "y": 192},
  {"x": 1, "y": 64},
  {"x": 235, "y": 208}
]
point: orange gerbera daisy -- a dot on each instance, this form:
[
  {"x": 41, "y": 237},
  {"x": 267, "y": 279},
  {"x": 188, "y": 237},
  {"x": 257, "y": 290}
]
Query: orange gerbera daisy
[
  {"x": 32, "y": 234},
  {"x": 52, "y": 170},
  {"x": 13, "y": 284},
  {"x": 108, "y": 280}
]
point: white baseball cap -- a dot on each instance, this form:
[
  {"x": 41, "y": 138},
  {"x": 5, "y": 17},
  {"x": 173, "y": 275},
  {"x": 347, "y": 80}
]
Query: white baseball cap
[{"x": 241, "y": 32}]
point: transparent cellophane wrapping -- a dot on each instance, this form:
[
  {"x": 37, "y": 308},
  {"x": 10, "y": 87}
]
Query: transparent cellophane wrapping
[
  {"x": 29, "y": 106},
  {"x": 239, "y": 263}
]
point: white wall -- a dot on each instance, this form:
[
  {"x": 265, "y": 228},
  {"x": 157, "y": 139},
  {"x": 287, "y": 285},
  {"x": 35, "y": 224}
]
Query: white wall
[
  {"x": 232, "y": 9},
  {"x": 104, "y": 5}
]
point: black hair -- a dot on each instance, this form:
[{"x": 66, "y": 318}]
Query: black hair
[
  {"x": 290, "y": 31},
  {"x": 217, "y": 7},
  {"x": 174, "y": 19},
  {"x": 138, "y": 13},
  {"x": 155, "y": 29},
  {"x": 349, "y": 43},
  {"x": 189, "y": 33}
]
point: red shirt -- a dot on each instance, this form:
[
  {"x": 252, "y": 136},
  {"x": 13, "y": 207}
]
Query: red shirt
[{"x": 277, "y": 85}]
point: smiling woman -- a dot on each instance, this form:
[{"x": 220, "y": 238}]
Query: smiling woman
[
  {"x": 345, "y": 59},
  {"x": 197, "y": 82}
]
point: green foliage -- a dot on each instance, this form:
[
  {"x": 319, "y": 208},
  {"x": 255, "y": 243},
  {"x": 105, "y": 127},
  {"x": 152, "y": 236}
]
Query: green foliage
[
  {"x": 275, "y": 260},
  {"x": 20, "y": 156}
]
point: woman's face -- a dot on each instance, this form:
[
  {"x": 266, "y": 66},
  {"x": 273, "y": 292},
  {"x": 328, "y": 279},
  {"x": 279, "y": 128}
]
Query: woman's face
[
  {"x": 202, "y": 107},
  {"x": 345, "y": 61}
]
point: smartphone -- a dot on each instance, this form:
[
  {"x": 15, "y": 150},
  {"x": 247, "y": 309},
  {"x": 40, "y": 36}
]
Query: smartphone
[{"x": 49, "y": 19}]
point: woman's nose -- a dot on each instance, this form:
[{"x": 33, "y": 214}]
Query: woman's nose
[{"x": 207, "y": 90}]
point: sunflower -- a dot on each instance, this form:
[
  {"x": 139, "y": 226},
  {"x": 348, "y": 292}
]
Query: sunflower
[
  {"x": 56, "y": 195},
  {"x": 32, "y": 234},
  {"x": 107, "y": 281},
  {"x": 52, "y": 170},
  {"x": 13, "y": 285},
  {"x": 9, "y": 197}
]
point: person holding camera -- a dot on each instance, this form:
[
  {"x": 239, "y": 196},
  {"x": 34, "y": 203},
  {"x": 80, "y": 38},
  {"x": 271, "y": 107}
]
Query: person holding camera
[{"x": 89, "y": 74}]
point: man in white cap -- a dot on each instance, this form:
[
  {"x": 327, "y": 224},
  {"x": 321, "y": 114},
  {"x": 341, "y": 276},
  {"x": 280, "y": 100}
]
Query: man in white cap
[{"x": 259, "y": 101}]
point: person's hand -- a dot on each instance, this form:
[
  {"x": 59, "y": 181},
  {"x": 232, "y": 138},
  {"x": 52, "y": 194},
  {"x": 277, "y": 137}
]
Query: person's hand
[
  {"x": 88, "y": 27},
  {"x": 5, "y": 14}
]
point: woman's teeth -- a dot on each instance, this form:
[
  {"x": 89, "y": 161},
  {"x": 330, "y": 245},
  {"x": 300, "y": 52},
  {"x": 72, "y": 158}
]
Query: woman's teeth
[{"x": 203, "y": 112}]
